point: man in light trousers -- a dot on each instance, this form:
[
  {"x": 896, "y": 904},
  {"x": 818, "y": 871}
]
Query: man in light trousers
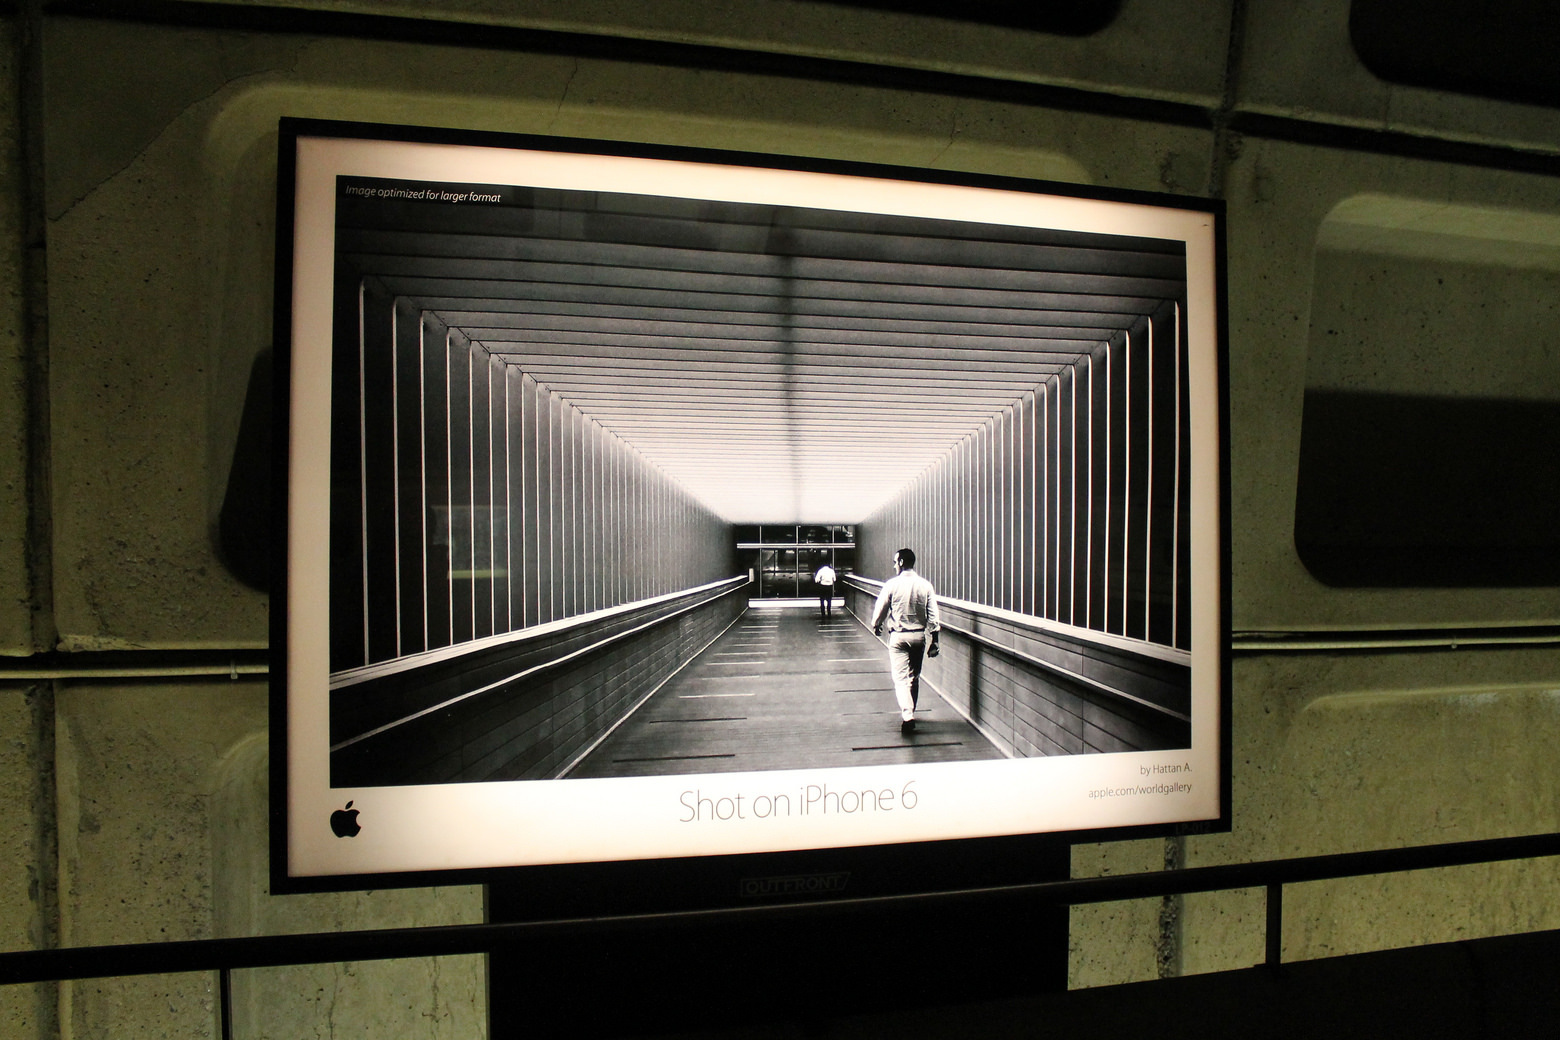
[{"x": 910, "y": 605}]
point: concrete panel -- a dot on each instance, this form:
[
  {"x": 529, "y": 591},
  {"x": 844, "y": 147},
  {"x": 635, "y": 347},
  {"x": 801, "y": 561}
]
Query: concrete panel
[
  {"x": 1172, "y": 48},
  {"x": 1432, "y": 409},
  {"x": 162, "y": 803},
  {"x": 1280, "y": 198},
  {"x": 1297, "y": 60},
  {"x": 27, "y": 876},
  {"x": 16, "y": 583},
  {"x": 1112, "y": 943},
  {"x": 1337, "y": 753},
  {"x": 432, "y": 997}
]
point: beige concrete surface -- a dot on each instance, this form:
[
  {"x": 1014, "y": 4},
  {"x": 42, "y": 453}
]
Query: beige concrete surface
[
  {"x": 1112, "y": 943},
  {"x": 161, "y": 182},
  {"x": 1298, "y": 60},
  {"x": 163, "y": 836},
  {"x": 27, "y": 919},
  {"x": 1173, "y": 49},
  {"x": 16, "y": 589},
  {"x": 1280, "y": 196},
  {"x": 1346, "y": 753}
]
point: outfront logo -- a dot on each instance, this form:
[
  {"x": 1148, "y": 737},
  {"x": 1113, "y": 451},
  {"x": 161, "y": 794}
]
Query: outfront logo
[{"x": 795, "y": 885}]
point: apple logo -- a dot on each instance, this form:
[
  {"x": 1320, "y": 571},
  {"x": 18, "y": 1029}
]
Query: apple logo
[{"x": 344, "y": 822}]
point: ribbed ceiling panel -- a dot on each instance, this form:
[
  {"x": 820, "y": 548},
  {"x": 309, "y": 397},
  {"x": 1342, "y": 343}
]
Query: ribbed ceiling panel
[{"x": 783, "y": 365}]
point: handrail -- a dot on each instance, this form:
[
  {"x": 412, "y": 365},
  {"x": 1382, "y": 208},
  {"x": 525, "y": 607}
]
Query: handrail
[
  {"x": 1047, "y": 666},
  {"x": 1063, "y": 673},
  {"x": 386, "y": 944},
  {"x": 1092, "y": 636},
  {"x": 526, "y": 673},
  {"x": 348, "y": 677}
]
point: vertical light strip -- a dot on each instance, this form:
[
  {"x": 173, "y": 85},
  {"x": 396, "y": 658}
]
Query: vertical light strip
[
  {"x": 554, "y": 479},
  {"x": 1072, "y": 519},
  {"x": 1057, "y": 600},
  {"x": 561, "y": 490},
  {"x": 1088, "y": 524},
  {"x": 449, "y": 485},
  {"x": 535, "y": 523},
  {"x": 1175, "y": 495},
  {"x": 492, "y": 507},
  {"x": 1148, "y": 497},
  {"x": 422, "y": 459},
  {"x": 1105, "y": 563},
  {"x": 509, "y": 517},
  {"x": 961, "y": 521},
  {"x": 619, "y": 534},
  {"x": 991, "y": 560},
  {"x": 982, "y": 514},
  {"x": 395, "y": 463},
  {"x": 993, "y": 515},
  {"x": 568, "y": 564},
  {"x": 589, "y": 435},
  {"x": 967, "y": 572},
  {"x": 1031, "y": 493},
  {"x": 962, "y": 510},
  {"x": 525, "y": 524},
  {"x": 471, "y": 479},
  {"x": 577, "y": 443},
  {"x": 999, "y": 519},
  {"x": 1015, "y": 523},
  {"x": 363, "y": 453},
  {"x": 1019, "y": 505},
  {"x": 1043, "y": 443},
  {"x": 1126, "y": 479}
]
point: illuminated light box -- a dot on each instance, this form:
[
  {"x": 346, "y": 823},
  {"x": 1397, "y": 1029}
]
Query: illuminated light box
[{"x": 532, "y": 386}]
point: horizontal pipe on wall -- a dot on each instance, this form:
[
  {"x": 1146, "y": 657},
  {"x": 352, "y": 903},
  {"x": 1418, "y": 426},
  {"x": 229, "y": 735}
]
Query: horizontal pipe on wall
[{"x": 385, "y": 944}]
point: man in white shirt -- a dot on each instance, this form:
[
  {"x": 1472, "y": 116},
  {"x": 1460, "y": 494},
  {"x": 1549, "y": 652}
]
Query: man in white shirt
[
  {"x": 825, "y": 579},
  {"x": 910, "y": 605}
]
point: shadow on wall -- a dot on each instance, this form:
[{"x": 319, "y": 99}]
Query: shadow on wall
[
  {"x": 1405, "y": 490},
  {"x": 243, "y": 535}
]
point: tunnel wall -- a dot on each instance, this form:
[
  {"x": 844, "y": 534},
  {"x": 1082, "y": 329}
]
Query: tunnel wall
[
  {"x": 988, "y": 672},
  {"x": 470, "y": 500},
  {"x": 418, "y": 722},
  {"x": 1061, "y": 524},
  {"x": 1071, "y": 504}
]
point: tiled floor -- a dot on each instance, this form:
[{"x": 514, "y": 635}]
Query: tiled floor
[{"x": 783, "y": 689}]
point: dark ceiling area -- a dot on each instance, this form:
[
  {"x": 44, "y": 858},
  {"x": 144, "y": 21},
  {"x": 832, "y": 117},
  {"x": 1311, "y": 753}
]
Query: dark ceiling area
[{"x": 781, "y": 364}]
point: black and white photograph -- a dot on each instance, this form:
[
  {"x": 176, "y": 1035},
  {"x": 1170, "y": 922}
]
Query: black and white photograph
[{"x": 746, "y": 500}]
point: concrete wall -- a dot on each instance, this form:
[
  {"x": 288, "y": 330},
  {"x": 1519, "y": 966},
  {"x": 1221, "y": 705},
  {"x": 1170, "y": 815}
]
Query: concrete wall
[{"x": 135, "y": 282}]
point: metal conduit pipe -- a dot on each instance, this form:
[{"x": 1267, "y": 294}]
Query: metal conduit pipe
[
  {"x": 384, "y": 944},
  {"x": 229, "y": 662}
]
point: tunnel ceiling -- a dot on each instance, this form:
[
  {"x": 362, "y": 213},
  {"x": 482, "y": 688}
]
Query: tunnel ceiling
[{"x": 781, "y": 364}]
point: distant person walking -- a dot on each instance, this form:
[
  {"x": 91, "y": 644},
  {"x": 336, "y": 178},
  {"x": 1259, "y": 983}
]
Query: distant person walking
[
  {"x": 910, "y": 605},
  {"x": 825, "y": 579}
]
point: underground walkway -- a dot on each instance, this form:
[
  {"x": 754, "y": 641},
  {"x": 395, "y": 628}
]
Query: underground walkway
[{"x": 783, "y": 689}]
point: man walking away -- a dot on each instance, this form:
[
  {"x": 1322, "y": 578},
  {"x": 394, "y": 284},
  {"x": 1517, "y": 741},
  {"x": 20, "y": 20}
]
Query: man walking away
[
  {"x": 825, "y": 579},
  {"x": 910, "y": 605}
]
